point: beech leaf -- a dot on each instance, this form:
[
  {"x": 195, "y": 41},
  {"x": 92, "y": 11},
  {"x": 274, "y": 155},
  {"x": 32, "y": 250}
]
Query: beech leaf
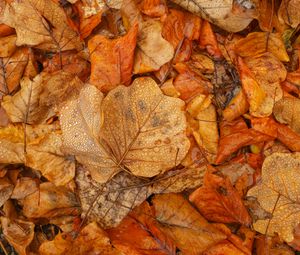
[
  {"x": 140, "y": 127},
  {"x": 277, "y": 194}
]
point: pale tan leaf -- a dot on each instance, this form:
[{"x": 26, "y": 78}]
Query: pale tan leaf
[
  {"x": 41, "y": 23},
  {"x": 113, "y": 200},
  {"x": 152, "y": 49},
  {"x": 18, "y": 233},
  {"x": 278, "y": 194},
  {"x": 40, "y": 99},
  {"x": 140, "y": 126},
  {"x": 289, "y": 12},
  {"x": 218, "y": 12}
]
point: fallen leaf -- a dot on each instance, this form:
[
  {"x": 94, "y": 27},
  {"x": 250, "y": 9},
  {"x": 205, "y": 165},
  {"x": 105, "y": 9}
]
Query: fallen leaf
[
  {"x": 223, "y": 248},
  {"x": 38, "y": 100},
  {"x": 269, "y": 72},
  {"x": 112, "y": 60},
  {"x": 153, "y": 50},
  {"x": 18, "y": 233},
  {"x": 155, "y": 8},
  {"x": 140, "y": 126},
  {"x": 260, "y": 42},
  {"x": 24, "y": 187},
  {"x": 91, "y": 240},
  {"x": 191, "y": 232},
  {"x": 7, "y": 46},
  {"x": 112, "y": 201},
  {"x": 218, "y": 12},
  {"x": 41, "y": 23},
  {"x": 286, "y": 111},
  {"x": 50, "y": 201},
  {"x": 219, "y": 201},
  {"x": 6, "y": 189},
  {"x": 277, "y": 194},
  {"x": 289, "y": 12}
]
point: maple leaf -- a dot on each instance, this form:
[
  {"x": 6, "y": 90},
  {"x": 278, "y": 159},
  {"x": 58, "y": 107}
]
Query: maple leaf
[
  {"x": 277, "y": 193},
  {"x": 41, "y": 23},
  {"x": 140, "y": 126},
  {"x": 109, "y": 203},
  {"x": 38, "y": 100}
]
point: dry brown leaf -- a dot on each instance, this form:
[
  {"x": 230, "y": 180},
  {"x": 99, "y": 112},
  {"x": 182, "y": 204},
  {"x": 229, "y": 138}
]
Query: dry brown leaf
[
  {"x": 219, "y": 201},
  {"x": 140, "y": 126},
  {"x": 112, "y": 60},
  {"x": 153, "y": 50},
  {"x": 43, "y": 151},
  {"x": 277, "y": 193},
  {"x": 191, "y": 232},
  {"x": 24, "y": 187},
  {"x": 91, "y": 240},
  {"x": 156, "y": 8},
  {"x": 41, "y": 23},
  {"x": 6, "y": 190},
  {"x": 287, "y": 111},
  {"x": 11, "y": 70},
  {"x": 40, "y": 99},
  {"x": 7, "y": 46},
  {"x": 289, "y": 12},
  {"x": 269, "y": 72},
  {"x": 219, "y": 12},
  {"x": 223, "y": 248},
  {"x": 112, "y": 201},
  {"x": 260, "y": 42},
  {"x": 18, "y": 233},
  {"x": 50, "y": 201}
]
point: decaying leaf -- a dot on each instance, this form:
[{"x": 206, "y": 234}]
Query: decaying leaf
[
  {"x": 91, "y": 240},
  {"x": 153, "y": 50},
  {"x": 18, "y": 233},
  {"x": 140, "y": 126},
  {"x": 277, "y": 193},
  {"x": 112, "y": 60},
  {"x": 289, "y": 12},
  {"x": 40, "y": 99},
  {"x": 218, "y": 12},
  {"x": 42, "y": 151},
  {"x": 41, "y": 23},
  {"x": 50, "y": 201},
  {"x": 219, "y": 201},
  {"x": 111, "y": 202},
  {"x": 286, "y": 111},
  {"x": 24, "y": 187},
  {"x": 6, "y": 190}
]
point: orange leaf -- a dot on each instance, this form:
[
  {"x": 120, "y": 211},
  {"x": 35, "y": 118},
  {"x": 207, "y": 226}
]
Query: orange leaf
[
  {"x": 219, "y": 201},
  {"x": 224, "y": 248},
  {"x": 112, "y": 60},
  {"x": 6, "y": 30},
  {"x": 208, "y": 40},
  {"x": 154, "y": 8},
  {"x": 190, "y": 84}
]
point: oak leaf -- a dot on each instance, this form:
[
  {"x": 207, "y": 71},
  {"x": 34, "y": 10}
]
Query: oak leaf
[
  {"x": 40, "y": 99},
  {"x": 109, "y": 203},
  {"x": 112, "y": 60},
  {"x": 140, "y": 126},
  {"x": 219, "y": 201},
  {"x": 18, "y": 233},
  {"x": 277, "y": 193},
  {"x": 41, "y": 23}
]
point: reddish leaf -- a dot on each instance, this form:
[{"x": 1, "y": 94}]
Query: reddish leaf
[
  {"x": 154, "y": 8},
  {"x": 112, "y": 60},
  {"x": 219, "y": 201}
]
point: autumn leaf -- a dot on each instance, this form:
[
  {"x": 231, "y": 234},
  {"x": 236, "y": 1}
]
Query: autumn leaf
[
  {"x": 109, "y": 203},
  {"x": 140, "y": 126},
  {"x": 218, "y": 12},
  {"x": 223, "y": 247},
  {"x": 38, "y": 100},
  {"x": 289, "y": 12},
  {"x": 19, "y": 233},
  {"x": 219, "y": 201},
  {"x": 42, "y": 24},
  {"x": 24, "y": 187},
  {"x": 91, "y": 240},
  {"x": 277, "y": 194},
  {"x": 120, "y": 54},
  {"x": 6, "y": 190}
]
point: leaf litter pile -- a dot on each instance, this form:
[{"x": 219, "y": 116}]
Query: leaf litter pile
[{"x": 140, "y": 127}]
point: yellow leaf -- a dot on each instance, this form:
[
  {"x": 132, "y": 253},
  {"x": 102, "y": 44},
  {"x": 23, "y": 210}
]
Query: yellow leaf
[
  {"x": 278, "y": 193},
  {"x": 140, "y": 127}
]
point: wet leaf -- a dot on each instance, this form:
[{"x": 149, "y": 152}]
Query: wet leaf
[
  {"x": 112, "y": 60},
  {"x": 277, "y": 194},
  {"x": 219, "y": 201},
  {"x": 42, "y": 24},
  {"x": 18, "y": 233},
  {"x": 140, "y": 126},
  {"x": 40, "y": 99}
]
